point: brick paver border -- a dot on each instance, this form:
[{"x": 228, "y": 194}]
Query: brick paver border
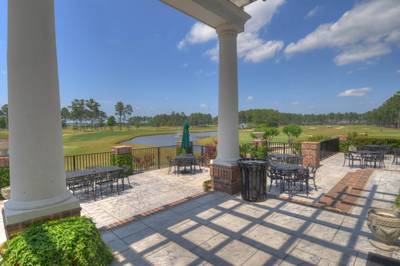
[{"x": 343, "y": 196}]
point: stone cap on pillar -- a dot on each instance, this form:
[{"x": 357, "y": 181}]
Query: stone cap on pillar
[{"x": 121, "y": 149}]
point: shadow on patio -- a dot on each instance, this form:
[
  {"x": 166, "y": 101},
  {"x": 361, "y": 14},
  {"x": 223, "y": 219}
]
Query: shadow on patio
[{"x": 224, "y": 230}]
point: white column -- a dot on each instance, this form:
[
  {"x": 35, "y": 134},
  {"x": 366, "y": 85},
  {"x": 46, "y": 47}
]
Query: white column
[
  {"x": 36, "y": 149},
  {"x": 228, "y": 117}
]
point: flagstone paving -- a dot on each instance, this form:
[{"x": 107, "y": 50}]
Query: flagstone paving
[
  {"x": 220, "y": 229},
  {"x": 150, "y": 190}
]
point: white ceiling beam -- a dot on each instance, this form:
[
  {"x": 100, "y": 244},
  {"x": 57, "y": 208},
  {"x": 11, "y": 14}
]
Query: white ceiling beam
[{"x": 212, "y": 12}]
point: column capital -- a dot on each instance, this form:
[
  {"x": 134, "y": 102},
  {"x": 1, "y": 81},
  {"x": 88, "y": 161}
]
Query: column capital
[{"x": 230, "y": 28}]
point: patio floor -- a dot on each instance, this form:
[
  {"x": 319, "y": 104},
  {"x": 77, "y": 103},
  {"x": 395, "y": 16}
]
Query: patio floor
[
  {"x": 150, "y": 191},
  {"x": 220, "y": 229}
]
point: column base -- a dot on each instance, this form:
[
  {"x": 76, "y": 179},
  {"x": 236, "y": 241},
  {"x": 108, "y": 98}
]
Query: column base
[
  {"x": 17, "y": 220},
  {"x": 226, "y": 178}
]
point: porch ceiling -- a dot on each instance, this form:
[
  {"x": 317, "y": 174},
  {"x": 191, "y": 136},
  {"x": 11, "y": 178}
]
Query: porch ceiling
[{"x": 214, "y": 12}]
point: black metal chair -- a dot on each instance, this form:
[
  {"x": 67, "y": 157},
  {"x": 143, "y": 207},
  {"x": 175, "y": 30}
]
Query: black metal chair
[
  {"x": 76, "y": 184},
  {"x": 103, "y": 181},
  {"x": 274, "y": 175},
  {"x": 396, "y": 156},
  {"x": 352, "y": 157},
  {"x": 312, "y": 174}
]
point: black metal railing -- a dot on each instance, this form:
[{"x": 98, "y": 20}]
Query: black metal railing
[
  {"x": 143, "y": 159},
  {"x": 329, "y": 147},
  {"x": 284, "y": 147},
  {"x": 84, "y": 161}
]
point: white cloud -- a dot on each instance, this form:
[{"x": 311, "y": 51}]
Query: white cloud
[
  {"x": 366, "y": 31},
  {"x": 249, "y": 98},
  {"x": 251, "y": 46},
  {"x": 200, "y": 33},
  {"x": 398, "y": 71},
  {"x": 355, "y": 92},
  {"x": 312, "y": 12},
  {"x": 265, "y": 51},
  {"x": 203, "y": 105},
  {"x": 185, "y": 65},
  {"x": 360, "y": 53},
  {"x": 295, "y": 103}
]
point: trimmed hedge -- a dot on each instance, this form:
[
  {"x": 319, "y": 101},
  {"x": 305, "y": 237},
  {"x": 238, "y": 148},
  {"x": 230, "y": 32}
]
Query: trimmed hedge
[
  {"x": 70, "y": 241},
  {"x": 361, "y": 141},
  {"x": 4, "y": 177}
]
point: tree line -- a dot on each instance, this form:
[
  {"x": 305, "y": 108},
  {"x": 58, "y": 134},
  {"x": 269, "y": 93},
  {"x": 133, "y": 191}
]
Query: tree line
[
  {"x": 4, "y": 116},
  {"x": 87, "y": 113},
  {"x": 83, "y": 113},
  {"x": 388, "y": 115}
]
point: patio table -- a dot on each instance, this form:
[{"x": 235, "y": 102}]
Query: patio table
[
  {"x": 290, "y": 174},
  {"x": 92, "y": 171},
  {"x": 184, "y": 160},
  {"x": 87, "y": 179},
  {"x": 284, "y": 157},
  {"x": 374, "y": 157}
]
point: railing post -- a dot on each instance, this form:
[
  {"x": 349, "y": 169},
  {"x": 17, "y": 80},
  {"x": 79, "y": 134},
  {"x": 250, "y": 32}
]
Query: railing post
[
  {"x": 158, "y": 158},
  {"x": 73, "y": 163}
]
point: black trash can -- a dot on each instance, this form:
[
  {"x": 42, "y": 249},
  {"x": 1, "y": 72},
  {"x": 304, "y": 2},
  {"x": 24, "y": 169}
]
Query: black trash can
[{"x": 253, "y": 174}]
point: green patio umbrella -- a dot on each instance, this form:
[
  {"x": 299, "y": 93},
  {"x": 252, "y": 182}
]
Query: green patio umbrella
[{"x": 185, "y": 144}]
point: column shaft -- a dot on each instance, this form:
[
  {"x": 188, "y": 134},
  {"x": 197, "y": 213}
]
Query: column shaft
[
  {"x": 36, "y": 147},
  {"x": 228, "y": 117}
]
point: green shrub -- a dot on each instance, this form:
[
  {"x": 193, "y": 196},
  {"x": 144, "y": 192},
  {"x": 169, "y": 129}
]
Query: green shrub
[
  {"x": 71, "y": 241},
  {"x": 259, "y": 152},
  {"x": 122, "y": 160},
  {"x": 245, "y": 149},
  {"x": 4, "y": 177},
  {"x": 397, "y": 202},
  {"x": 361, "y": 141}
]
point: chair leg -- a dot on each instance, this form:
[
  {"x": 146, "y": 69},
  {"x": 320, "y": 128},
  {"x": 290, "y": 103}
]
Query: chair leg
[
  {"x": 129, "y": 182},
  {"x": 315, "y": 186}
]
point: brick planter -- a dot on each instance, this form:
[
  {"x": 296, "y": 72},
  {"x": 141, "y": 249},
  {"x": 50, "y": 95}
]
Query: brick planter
[{"x": 226, "y": 178}]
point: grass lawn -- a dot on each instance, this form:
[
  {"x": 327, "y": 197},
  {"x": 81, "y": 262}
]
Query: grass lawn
[
  {"x": 77, "y": 142},
  {"x": 318, "y": 130}
]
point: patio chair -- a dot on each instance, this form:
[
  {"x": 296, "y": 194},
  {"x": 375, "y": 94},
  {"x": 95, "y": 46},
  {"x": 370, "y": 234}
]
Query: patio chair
[
  {"x": 312, "y": 173},
  {"x": 274, "y": 176},
  {"x": 103, "y": 181},
  {"x": 117, "y": 176},
  {"x": 79, "y": 183},
  {"x": 171, "y": 164},
  {"x": 197, "y": 162},
  {"x": 355, "y": 157},
  {"x": 396, "y": 156}
]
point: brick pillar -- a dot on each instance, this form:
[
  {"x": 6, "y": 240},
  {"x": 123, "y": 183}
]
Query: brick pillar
[
  {"x": 122, "y": 149},
  {"x": 226, "y": 178},
  {"x": 4, "y": 162},
  {"x": 310, "y": 151}
]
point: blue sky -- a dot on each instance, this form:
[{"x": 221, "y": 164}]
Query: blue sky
[{"x": 295, "y": 56}]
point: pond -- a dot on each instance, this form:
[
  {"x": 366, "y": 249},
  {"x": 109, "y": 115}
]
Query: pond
[{"x": 168, "y": 139}]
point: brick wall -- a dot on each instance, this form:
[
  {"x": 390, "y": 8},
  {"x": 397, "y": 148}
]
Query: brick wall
[{"x": 226, "y": 178}]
